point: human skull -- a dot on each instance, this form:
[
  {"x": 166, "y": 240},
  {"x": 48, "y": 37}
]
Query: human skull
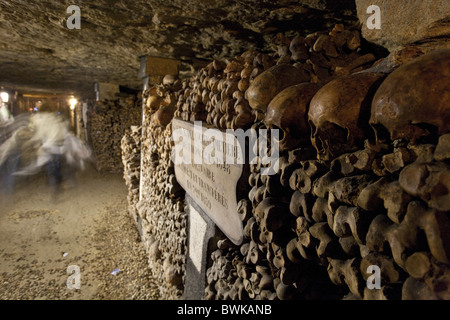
[
  {"x": 163, "y": 116},
  {"x": 414, "y": 100},
  {"x": 298, "y": 49},
  {"x": 339, "y": 114},
  {"x": 288, "y": 112},
  {"x": 169, "y": 79},
  {"x": 153, "y": 102},
  {"x": 266, "y": 85}
]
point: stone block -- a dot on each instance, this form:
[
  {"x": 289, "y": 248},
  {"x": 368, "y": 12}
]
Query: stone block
[{"x": 406, "y": 22}]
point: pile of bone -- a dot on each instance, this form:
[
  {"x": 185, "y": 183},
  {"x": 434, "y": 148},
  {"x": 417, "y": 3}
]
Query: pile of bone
[
  {"x": 131, "y": 160},
  {"x": 363, "y": 185},
  {"x": 161, "y": 211},
  {"x": 223, "y": 92},
  {"x": 109, "y": 121},
  {"x": 160, "y": 100}
]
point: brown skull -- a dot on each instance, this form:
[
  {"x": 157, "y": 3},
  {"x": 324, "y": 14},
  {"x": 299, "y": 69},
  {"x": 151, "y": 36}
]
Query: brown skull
[
  {"x": 163, "y": 116},
  {"x": 414, "y": 100},
  {"x": 266, "y": 85},
  {"x": 298, "y": 49},
  {"x": 153, "y": 103},
  {"x": 339, "y": 114},
  {"x": 288, "y": 112}
]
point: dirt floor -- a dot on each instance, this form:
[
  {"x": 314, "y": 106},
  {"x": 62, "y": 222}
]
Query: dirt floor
[{"x": 44, "y": 239}]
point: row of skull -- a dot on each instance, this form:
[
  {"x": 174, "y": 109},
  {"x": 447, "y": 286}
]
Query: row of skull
[{"x": 410, "y": 103}]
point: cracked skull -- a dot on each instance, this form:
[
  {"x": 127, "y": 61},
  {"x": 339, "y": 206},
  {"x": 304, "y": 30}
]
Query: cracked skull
[
  {"x": 414, "y": 100},
  {"x": 269, "y": 83},
  {"x": 288, "y": 112},
  {"x": 339, "y": 114}
]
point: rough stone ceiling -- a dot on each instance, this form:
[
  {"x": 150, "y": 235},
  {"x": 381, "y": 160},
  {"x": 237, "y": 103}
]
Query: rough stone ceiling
[{"x": 39, "y": 53}]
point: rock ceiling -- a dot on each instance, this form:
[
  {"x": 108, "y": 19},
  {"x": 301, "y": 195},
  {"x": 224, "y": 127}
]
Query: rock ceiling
[{"x": 39, "y": 53}]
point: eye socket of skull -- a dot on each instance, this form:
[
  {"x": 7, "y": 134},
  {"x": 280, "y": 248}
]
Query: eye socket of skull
[
  {"x": 281, "y": 133},
  {"x": 315, "y": 141},
  {"x": 381, "y": 134},
  {"x": 424, "y": 133},
  {"x": 429, "y": 133},
  {"x": 331, "y": 140}
]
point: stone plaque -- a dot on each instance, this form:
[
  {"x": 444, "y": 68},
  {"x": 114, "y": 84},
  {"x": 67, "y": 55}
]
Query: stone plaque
[
  {"x": 157, "y": 66},
  {"x": 203, "y": 168}
]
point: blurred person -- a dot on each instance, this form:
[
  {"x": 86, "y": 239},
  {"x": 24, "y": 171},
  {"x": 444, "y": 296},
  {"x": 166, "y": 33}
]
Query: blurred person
[
  {"x": 5, "y": 116},
  {"x": 55, "y": 145},
  {"x": 9, "y": 160},
  {"x": 9, "y": 149},
  {"x": 49, "y": 132}
]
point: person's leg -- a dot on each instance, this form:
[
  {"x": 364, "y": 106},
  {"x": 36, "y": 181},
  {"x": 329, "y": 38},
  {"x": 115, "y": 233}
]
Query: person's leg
[
  {"x": 51, "y": 178},
  {"x": 58, "y": 173},
  {"x": 7, "y": 170},
  {"x": 53, "y": 168},
  {"x": 3, "y": 178},
  {"x": 11, "y": 165}
]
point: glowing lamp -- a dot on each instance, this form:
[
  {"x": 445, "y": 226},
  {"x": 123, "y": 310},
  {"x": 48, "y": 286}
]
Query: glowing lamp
[{"x": 73, "y": 102}]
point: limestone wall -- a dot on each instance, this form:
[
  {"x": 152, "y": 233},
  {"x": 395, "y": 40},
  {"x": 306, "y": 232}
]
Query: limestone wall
[{"x": 406, "y": 23}]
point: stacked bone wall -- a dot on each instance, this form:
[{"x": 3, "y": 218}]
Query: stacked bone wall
[
  {"x": 131, "y": 160},
  {"x": 321, "y": 226},
  {"x": 266, "y": 265},
  {"x": 336, "y": 217},
  {"x": 108, "y": 123},
  {"x": 160, "y": 212}
]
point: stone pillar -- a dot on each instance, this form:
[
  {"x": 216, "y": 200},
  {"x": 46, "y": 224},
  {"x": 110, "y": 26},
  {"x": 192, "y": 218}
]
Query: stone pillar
[
  {"x": 201, "y": 229},
  {"x": 151, "y": 71},
  {"x": 108, "y": 91}
]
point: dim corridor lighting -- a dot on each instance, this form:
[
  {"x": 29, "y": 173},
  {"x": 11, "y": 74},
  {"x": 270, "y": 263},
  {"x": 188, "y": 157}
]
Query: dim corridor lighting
[
  {"x": 73, "y": 102},
  {"x": 4, "y": 97}
]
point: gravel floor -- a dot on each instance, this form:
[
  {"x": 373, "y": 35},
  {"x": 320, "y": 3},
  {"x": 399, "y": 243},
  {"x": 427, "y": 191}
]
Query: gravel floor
[
  {"x": 124, "y": 252},
  {"x": 88, "y": 227}
]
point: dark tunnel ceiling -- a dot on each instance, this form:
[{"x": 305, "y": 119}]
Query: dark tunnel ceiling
[{"x": 39, "y": 53}]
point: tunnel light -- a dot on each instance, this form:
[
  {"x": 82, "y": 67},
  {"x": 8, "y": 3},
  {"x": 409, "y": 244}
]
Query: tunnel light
[
  {"x": 5, "y": 97},
  {"x": 73, "y": 102}
]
